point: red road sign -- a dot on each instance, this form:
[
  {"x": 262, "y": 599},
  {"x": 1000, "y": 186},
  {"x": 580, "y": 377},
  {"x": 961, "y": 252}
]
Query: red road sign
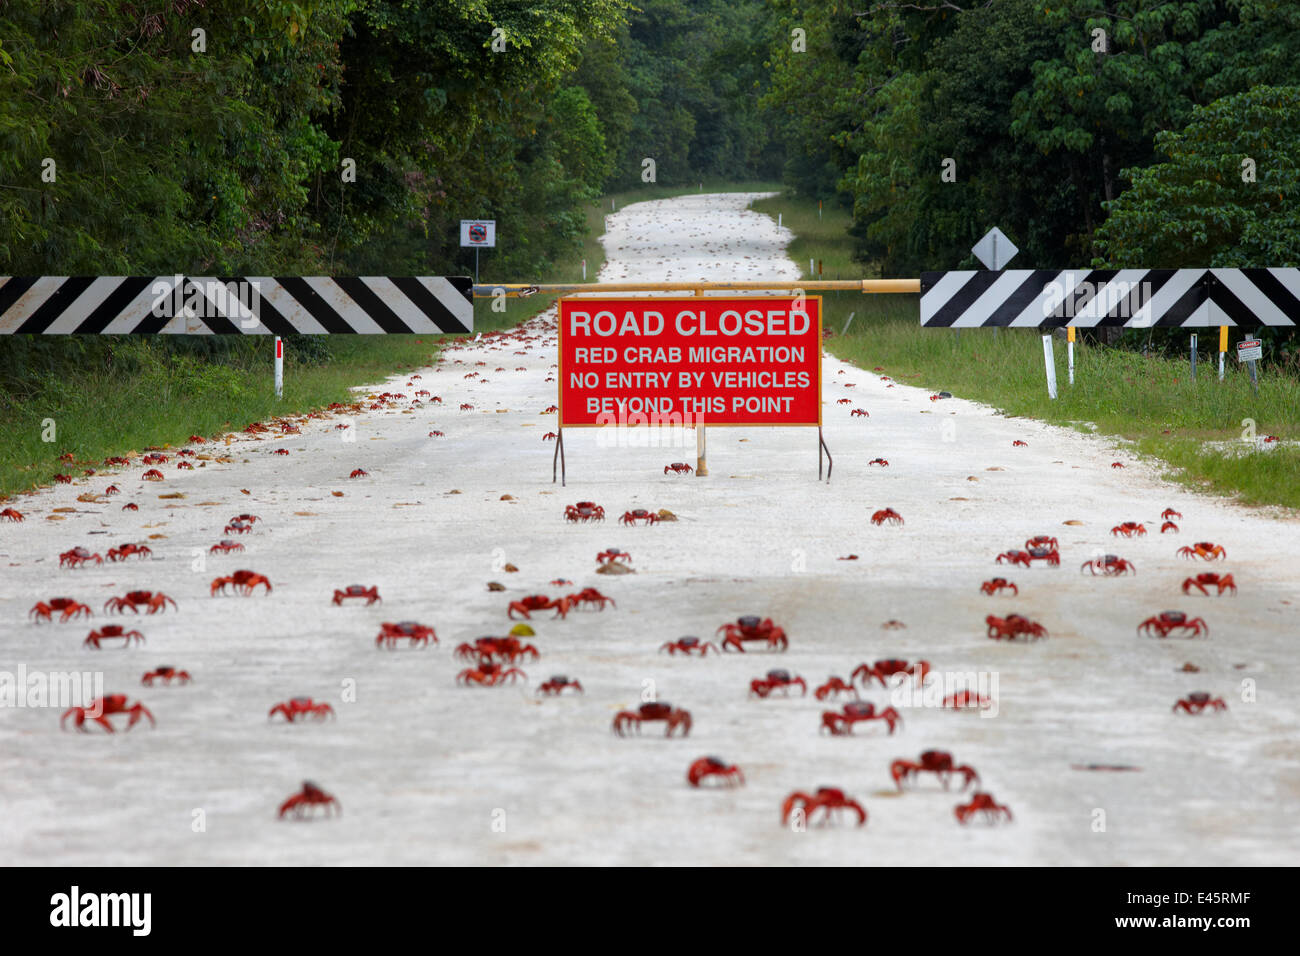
[{"x": 709, "y": 360}]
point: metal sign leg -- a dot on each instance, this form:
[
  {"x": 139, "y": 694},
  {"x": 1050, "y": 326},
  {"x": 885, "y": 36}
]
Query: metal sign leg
[
  {"x": 558, "y": 457},
  {"x": 830, "y": 462}
]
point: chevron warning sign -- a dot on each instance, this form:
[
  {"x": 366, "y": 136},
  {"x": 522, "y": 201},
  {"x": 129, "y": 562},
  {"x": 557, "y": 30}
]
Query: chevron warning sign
[
  {"x": 250, "y": 305},
  {"x": 1086, "y": 298}
]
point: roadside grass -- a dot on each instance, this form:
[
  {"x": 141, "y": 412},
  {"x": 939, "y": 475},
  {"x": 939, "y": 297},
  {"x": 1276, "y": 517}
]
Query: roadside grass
[
  {"x": 1148, "y": 400},
  {"x": 149, "y": 398},
  {"x": 156, "y": 399}
]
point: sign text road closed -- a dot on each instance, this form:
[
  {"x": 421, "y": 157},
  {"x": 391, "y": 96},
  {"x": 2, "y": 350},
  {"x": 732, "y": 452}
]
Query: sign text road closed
[{"x": 715, "y": 361}]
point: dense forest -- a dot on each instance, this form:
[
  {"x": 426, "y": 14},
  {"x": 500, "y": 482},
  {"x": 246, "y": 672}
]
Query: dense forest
[{"x": 351, "y": 136}]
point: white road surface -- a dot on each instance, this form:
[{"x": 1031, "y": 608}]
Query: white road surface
[{"x": 428, "y": 772}]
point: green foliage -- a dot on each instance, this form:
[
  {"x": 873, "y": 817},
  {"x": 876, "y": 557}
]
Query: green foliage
[{"x": 1197, "y": 209}]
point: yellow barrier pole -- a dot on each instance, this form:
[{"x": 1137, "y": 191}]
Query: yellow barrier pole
[
  {"x": 1223, "y": 347},
  {"x": 701, "y": 442},
  {"x": 1069, "y": 348},
  {"x": 882, "y": 286}
]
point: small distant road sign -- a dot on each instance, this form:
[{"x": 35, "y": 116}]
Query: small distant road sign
[
  {"x": 1250, "y": 350},
  {"x": 995, "y": 250},
  {"x": 480, "y": 233}
]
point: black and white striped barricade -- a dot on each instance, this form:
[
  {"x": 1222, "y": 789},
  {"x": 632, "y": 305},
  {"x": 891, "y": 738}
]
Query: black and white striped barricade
[
  {"x": 1096, "y": 298},
  {"x": 238, "y": 305}
]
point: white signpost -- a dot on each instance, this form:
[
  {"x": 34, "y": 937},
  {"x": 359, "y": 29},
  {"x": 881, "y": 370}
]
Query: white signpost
[{"x": 479, "y": 233}]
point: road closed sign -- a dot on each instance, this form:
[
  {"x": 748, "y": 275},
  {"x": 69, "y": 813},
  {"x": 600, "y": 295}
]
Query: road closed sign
[{"x": 698, "y": 360}]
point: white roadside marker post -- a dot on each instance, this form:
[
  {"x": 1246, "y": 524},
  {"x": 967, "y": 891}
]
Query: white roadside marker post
[
  {"x": 1193, "y": 356},
  {"x": 1223, "y": 348},
  {"x": 1051, "y": 366},
  {"x": 279, "y": 367}
]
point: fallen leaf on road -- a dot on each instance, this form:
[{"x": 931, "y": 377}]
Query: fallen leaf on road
[
  {"x": 152, "y": 536},
  {"x": 1072, "y": 521},
  {"x": 174, "y": 494},
  {"x": 506, "y": 498},
  {"x": 55, "y": 518},
  {"x": 995, "y": 468},
  {"x": 305, "y": 514},
  {"x": 65, "y": 510},
  {"x": 971, "y": 478},
  {"x": 510, "y": 568},
  {"x": 496, "y": 586},
  {"x": 337, "y": 494},
  {"x": 959, "y": 499}
]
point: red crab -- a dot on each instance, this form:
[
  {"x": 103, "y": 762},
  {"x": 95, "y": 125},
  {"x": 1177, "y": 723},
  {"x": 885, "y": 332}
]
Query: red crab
[
  {"x": 485, "y": 649},
  {"x": 550, "y": 436},
  {"x": 938, "y": 762},
  {"x": 301, "y": 803},
  {"x": 153, "y": 458},
  {"x": 112, "y": 490},
  {"x": 280, "y": 451},
  {"x": 359, "y": 473},
  {"x": 1170, "y": 513},
  {"x": 466, "y": 407},
  {"x": 244, "y": 582},
  {"x": 63, "y": 479},
  {"x": 369, "y": 594},
  {"x": 834, "y": 687},
  {"x": 826, "y": 799},
  {"x": 436, "y": 398},
  {"x": 130, "y": 506},
  {"x": 304, "y": 707},
  {"x": 781, "y": 680},
  {"x": 489, "y": 675},
  {"x": 118, "y": 460},
  {"x": 538, "y": 602},
  {"x": 709, "y": 768},
  {"x": 845, "y": 401},
  {"x": 1204, "y": 549},
  {"x": 153, "y": 474},
  {"x": 678, "y": 467},
  {"x": 237, "y": 527},
  {"x": 584, "y": 511},
  {"x": 167, "y": 674},
  {"x": 198, "y": 440},
  {"x": 1196, "y": 702},
  {"x": 1110, "y": 565},
  {"x": 1042, "y": 541},
  {"x": 128, "y": 550},
  {"x": 966, "y": 699},
  {"x": 437, "y": 434},
  {"x": 848, "y": 557},
  {"x": 77, "y": 557},
  {"x": 1169, "y": 526},
  {"x": 104, "y": 707},
  {"x": 638, "y": 514},
  {"x": 982, "y": 803},
  {"x": 886, "y": 515},
  {"x": 1015, "y": 557},
  {"x": 674, "y": 717},
  {"x": 70, "y": 609},
  {"x": 1128, "y": 529},
  {"x": 883, "y": 669},
  {"x": 1210, "y": 579},
  {"x": 549, "y": 408},
  {"x": 612, "y": 554},
  {"x": 111, "y": 631},
  {"x": 841, "y": 724},
  {"x": 1013, "y": 626},
  {"x": 1050, "y": 555},
  {"x": 416, "y": 633},
  {"x": 1167, "y": 621},
  {"x": 558, "y": 684},
  {"x": 859, "y": 413},
  {"x": 590, "y": 597},
  {"x": 225, "y": 546},
  {"x": 1117, "y": 464},
  {"x": 186, "y": 466},
  {"x": 879, "y": 461},
  {"x": 994, "y": 585},
  {"x": 688, "y": 646},
  {"x": 1019, "y": 444},
  {"x": 10, "y": 514},
  {"x": 752, "y": 628}
]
